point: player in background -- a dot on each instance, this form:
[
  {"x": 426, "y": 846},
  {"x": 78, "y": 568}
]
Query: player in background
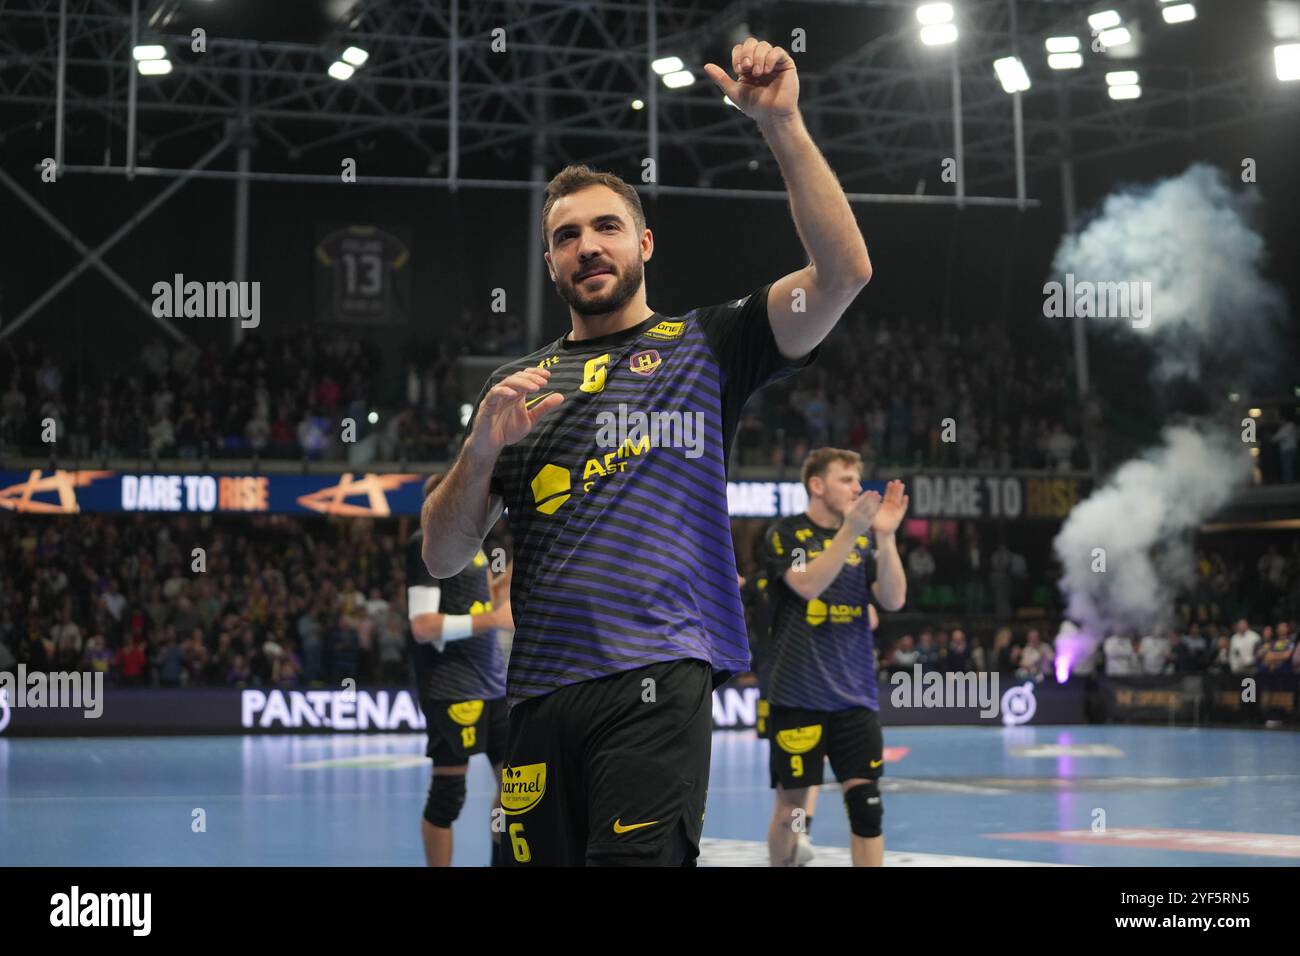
[
  {"x": 460, "y": 674},
  {"x": 824, "y": 569}
]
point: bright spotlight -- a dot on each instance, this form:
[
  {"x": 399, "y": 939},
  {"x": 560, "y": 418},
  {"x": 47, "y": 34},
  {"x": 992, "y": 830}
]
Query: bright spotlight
[
  {"x": 1116, "y": 37},
  {"x": 1179, "y": 13},
  {"x": 1122, "y": 78},
  {"x": 340, "y": 70},
  {"x": 668, "y": 64},
  {"x": 638, "y": 104},
  {"x": 928, "y": 14},
  {"x": 1065, "y": 61},
  {"x": 149, "y": 51},
  {"x": 355, "y": 55},
  {"x": 1011, "y": 74},
  {"x": 939, "y": 34},
  {"x": 679, "y": 79},
  {"x": 1105, "y": 20},
  {"x": 1062, "y": 44},
  {"x": 1286, "y": 60},
  {"x": 154, "y": 67},
  {"x": 1128, "y": 92}
]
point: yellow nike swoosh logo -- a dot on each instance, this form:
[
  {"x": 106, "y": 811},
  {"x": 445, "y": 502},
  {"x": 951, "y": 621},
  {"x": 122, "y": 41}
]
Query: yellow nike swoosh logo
[
  {"x": 620, "y": 828},
  {"x": 529, "y": 403},
  {"x": 876, "y": 763}
]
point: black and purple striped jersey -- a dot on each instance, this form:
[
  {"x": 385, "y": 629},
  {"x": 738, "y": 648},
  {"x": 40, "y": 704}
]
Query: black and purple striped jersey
[
  {"x": 821, "y": 650},
  {"x": 472, "y": 668},
  {"x": 617, "y": 500}
]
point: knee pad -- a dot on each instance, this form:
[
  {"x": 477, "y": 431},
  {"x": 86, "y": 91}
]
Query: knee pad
[
  {"x": 446, "y": 797},
  {"x": 865, "y": 809}
]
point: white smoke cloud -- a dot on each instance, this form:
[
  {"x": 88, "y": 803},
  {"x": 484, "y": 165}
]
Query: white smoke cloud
[
  {"x": 1142, "y": 519},
  {"x": 1190, "y": 237}
]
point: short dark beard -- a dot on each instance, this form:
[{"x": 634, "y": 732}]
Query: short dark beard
[{"x": 625, "y": 285}]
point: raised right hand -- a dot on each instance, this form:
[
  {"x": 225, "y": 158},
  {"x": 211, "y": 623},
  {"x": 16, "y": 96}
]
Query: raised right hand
[{"x": 507, "y": 414}]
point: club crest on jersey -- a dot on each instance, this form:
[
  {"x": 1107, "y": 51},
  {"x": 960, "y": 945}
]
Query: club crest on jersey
[
  {"x": 667, "y": 330},
  {"x": 645, "y": 363}
]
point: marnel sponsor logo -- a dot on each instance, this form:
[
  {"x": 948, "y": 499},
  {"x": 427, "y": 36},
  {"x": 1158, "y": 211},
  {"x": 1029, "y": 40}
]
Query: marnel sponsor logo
[
  {"x": 522, "y": 787},
  {"x": 819, "y": 611},
  {"x": 552, "y": 486},
  {"x": 798, "y": 740},
  {"x": 466, "y": 712}
]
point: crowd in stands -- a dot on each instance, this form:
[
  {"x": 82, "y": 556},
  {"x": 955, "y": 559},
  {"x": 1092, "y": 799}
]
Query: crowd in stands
[
  {"x": 901, "y": 394},
  {"x": 282, "y": 602},
  {"x": 887, "y": 388}
]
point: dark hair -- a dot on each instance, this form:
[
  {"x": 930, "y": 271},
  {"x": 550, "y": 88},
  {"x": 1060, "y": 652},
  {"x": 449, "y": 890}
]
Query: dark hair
[{"x": 573, "y": 178}]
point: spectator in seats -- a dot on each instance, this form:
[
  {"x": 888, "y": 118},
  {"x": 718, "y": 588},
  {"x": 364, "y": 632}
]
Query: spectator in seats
[
  {"x": 927, "y": 653},
  {"x": 96, "y": 658},
  {"x": 258, "y": 433},
  {"x": 1121, "y": 656},
  {"x": 1220, "y": 659},
  {"x": 310, "y": 636},
  {"x": 1285, "y": 439},
  {"x": 169, "y": 663},
  {"x": 1036, "y": 658},
  {"x": 1183, "y": 660},
  {"x": 1001, "y": 566},
  {"x": 905, "y": 655},
  {"x": 392, "y": 644},
  {"x": 1060, "y": 448},
  {"x": 959, "y": 658},
  {"x": 195, "y": 658},
  {"x": 1242, "y": 648},
  {"x": 1275, "y": 656},
  {"x": 239, "y": 674},
  {"x": 1154, "y": 653},
  {"x": 161, "y": 437},
  {"x": 920, "y": 566},
  {"x": 131, "y": 661}
]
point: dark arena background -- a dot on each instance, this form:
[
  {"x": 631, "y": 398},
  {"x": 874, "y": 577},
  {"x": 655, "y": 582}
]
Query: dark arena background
[{"x": 259, "y": 259}]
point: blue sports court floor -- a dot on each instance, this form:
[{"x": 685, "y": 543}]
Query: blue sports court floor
[{"x": 973, "y": 796}]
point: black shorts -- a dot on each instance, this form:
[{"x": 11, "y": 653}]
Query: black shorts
[
  {"x": 460, "y": 728},
  {"x": 803, "y": 739},
  {"x": 611, "y": 772}
]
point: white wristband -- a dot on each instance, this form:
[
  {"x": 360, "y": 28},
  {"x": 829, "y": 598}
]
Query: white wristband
[{"x": 457, "y": 627}]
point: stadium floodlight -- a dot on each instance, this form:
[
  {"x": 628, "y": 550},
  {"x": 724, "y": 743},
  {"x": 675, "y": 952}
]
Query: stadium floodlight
[
  {"x": 340, "y": 70},
  {"x": 1179, "y": 13},
  {"x": 638, "y": 104},
  {"x": 150, "y": 51},
  {"x": 154, "y": 67},
  {"x": 1124, "y": 91},
  {"x": 1286, "y": 60},
  {"x": 1105, "y": 20},
  {"x": 1065, "y": 61},
  {"x": 355, "y": 56},
  {"x": 680, "y": 78},
  {"x": 929, "y": 14},
  {"x": 1062, "y": 44},
  {"x": 1122, "y": 78},
  {"x": 1116, "y": 37},
  {"x": 939, "y": 34},
  {"x": 1011, "y": 74},
  {"x": 667, "y": 64}
]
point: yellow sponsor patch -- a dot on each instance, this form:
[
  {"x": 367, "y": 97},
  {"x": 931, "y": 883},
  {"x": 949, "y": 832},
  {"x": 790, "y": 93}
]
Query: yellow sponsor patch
[
  {"x": 466, "y": 712},
  {"x": 667, "y": 330},
  {"x": 798, "y": 740},
  {"x": 816, "y": 612},
  {"x": 551, "y": 488},
  {"x": 522, "y": 788}
]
